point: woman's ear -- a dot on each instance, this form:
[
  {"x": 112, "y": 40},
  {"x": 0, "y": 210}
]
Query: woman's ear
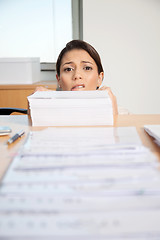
[
  {"x": 100, "y": 79},
  {"x": 58, "y": 80}
]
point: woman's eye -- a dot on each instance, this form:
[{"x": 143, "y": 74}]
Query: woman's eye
[
  {"x": 68, "y": 69},
  {"x": 88, "y": 68}
]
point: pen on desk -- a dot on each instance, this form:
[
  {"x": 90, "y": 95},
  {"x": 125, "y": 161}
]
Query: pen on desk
[{"x": 15, "y": 137}]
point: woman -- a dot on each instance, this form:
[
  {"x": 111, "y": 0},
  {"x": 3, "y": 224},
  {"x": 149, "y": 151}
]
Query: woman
[{"x": 79, "y": 68}]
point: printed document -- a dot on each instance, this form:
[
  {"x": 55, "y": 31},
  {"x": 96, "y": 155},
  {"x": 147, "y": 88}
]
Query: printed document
[
  {"x": 153, "y": 131},
  {"x": 81, "y": 183}
]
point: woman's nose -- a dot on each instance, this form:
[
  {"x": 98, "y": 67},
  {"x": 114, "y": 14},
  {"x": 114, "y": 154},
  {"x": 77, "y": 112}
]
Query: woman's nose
[{"x": 77, "y": 75}]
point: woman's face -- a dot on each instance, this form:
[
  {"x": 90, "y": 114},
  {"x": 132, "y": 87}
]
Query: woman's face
[{"x": 79, "y": 72}]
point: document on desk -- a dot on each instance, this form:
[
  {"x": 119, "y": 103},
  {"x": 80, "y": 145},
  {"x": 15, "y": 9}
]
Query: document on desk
[
  {"x": 70, "y": 108},
  {"x": 74, "y": 183},
  {"x": 153, "y": 131}
]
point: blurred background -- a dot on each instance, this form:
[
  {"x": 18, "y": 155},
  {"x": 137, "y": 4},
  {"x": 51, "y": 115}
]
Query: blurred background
[{"x": 126, "y": 33}]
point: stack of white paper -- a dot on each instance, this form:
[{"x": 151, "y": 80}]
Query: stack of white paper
[
  {"x": 81, "y": 183},
  {"x": 70, "y": 108},
  {"x": 153, "y": 131}
]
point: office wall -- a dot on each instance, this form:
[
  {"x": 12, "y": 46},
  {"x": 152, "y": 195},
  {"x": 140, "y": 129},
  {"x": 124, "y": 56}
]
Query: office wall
[{"x": 126, "y": 33}]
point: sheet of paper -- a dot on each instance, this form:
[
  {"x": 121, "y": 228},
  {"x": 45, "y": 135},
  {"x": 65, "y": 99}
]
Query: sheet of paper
[
  {"x": 89, "y": 225},
  {"x": 153, "y": 131},
  {"x": 74, "y": 183}
]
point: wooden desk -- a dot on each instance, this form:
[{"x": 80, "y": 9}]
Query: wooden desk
[
  {"x": 18, "y": 122},
  {"x": 16, "y": 95}
]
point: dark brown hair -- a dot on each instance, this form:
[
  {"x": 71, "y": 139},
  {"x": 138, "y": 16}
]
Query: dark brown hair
[{"x": 79, "y": 44}]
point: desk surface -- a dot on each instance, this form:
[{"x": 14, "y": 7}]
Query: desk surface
[{"x": 18, "y": 122}]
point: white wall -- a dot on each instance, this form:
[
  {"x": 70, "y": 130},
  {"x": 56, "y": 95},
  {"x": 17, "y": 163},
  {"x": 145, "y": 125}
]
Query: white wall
[{"x": 126, "y": 33}]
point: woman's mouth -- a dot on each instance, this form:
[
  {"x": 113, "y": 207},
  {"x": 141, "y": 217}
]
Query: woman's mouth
[{"x": 78, "y": 87}]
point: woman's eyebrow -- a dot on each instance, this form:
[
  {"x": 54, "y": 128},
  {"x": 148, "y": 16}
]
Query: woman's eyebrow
[
  {"x": 87, "y": 62},
  {"x": 67, "y": 63},
  {"x": 73, "y": 62}
]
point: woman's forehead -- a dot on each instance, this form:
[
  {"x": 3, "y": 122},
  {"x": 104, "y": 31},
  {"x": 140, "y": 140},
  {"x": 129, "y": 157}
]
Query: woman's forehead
[{"x": 77, "y": 55}]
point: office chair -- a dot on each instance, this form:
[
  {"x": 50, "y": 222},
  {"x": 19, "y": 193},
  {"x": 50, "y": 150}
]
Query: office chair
[{"x": 8, "y": 111}]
